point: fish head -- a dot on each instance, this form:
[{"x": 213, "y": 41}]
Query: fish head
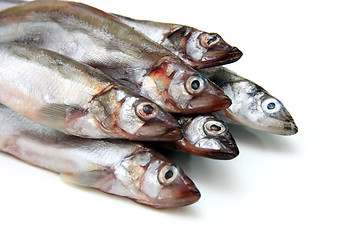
[
  {"x": 184, "y": 90},
  {"x": 201, "y": 49},
  {"x": 136, "y": 117},
  {"x": 254, "y": 107},
  {"x": 156, "y": 122},
  {"x": 153, "y": 180},
  {"x": 207, "y": 136}
]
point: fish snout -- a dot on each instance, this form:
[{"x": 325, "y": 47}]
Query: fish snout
[
  {"x": 290, "y": 128},
  {"x": 171, "y": 198},
  {"x": 161, "y": 127},
  {"x": 211, "y": 99},
  {"x": 219, "y": 57},
  {"x": 229, "y": 150},
  {"x": 234, "y": 55}
]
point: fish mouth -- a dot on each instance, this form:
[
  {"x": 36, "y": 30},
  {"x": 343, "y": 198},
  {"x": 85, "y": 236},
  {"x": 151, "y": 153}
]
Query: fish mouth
[
  {"x": 189, "y": 196},
  {"x": 170, "y": 134},
  {"x": 228, "y": 153},
  {"x": 163, "y": 127},
  {"x": 286, "y": 129},
  {"x": 229, "y": 57},
  {"x": 290, "y": 128},
  {"x": 210, "y": 103}
]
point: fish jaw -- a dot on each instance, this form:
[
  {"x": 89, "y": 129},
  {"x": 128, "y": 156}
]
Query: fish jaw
[
  {"x": 184, "y": 197},
  {"x": 218, "y": 58},
  {"x": 178, "y": 195},
  {"x": 228, "y": 149},
  {"x": 207, "y": 147},
  {"x": 210, "y": 100},
  {"x": 164, "y": 127},
  {"x": 177, "y": 191}
]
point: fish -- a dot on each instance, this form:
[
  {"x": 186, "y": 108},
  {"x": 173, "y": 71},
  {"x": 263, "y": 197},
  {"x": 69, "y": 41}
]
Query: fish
[
  {"x": 101, "y": 40},
  {"x": 197, "y": 48},
  {"x": 204, "y": 135},
  {"x": 119, "y": 167},
  {"x": 58, "y": 92},
  {"x": 252, "y": 106}
]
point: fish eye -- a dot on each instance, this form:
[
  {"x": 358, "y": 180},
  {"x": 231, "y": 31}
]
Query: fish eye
[
  {"x": 146, "y": 110},
  {"x": 168, "y": 174},
  {"x": 271, "y": 105},
  {"x": 209, "y": 39},
  {"x": 214, "y": 127},
  {"x": 195, "y": 84}
]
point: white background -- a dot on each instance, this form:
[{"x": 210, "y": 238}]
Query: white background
[{"x": 306, "y": 53}]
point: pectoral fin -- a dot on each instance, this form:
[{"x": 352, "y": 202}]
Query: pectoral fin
[{"x": 56, "y": 115}]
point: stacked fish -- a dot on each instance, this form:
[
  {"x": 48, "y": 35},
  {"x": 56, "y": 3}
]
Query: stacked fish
[{"x": 74, "y": 80}]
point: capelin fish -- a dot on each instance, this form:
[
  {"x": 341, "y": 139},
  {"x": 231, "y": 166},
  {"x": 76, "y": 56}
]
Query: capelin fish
[
  {"x": 118, "y": 167},
  {"x": 252, "y": 105},
  {"x": 206, "y": 136},
  {"x": 197, "y": 48},
  {"x": 77, "y": 99},
  {"x": 101, "y": 40}
]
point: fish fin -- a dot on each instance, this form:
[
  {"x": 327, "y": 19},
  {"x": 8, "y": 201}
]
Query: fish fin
[
  {"x": 95, "y": 178},
  {"x": 56, "y": 114},
  {"x": 54, "y": 111}
]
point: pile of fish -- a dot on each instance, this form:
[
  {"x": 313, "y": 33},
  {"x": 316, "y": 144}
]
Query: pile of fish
[{"x": 74, "y": 80}]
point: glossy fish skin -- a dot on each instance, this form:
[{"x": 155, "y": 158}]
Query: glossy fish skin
[
  {"x": 206, "y": 136},
  {"x": 197, "y": 48},
  {"x": 118, "y": 167},
  {"x": 77, "y": 99},
  {"x": 101, "y": 40},
  {"x": 252, "y": 105}
]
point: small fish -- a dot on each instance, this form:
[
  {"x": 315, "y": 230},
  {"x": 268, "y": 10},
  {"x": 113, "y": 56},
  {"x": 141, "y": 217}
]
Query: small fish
[
  {"x": 101, "y": 40},
  {"x": 252, "y": 105},
  {"x": 77, "y": 99},
  {"x": 197, "y": 48},
  {"x": 205, "y": 135},
  {"x": 118, "y": 167}
]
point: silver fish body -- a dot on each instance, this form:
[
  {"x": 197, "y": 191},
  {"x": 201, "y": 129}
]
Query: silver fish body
[
  {"x": 58, "y": 92},
  {"x": 118, "y": 167},
  {"x": 101, "y": 40},
  {"x": 206, "y": 136},
  {"x": 252, "y": 106}
]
